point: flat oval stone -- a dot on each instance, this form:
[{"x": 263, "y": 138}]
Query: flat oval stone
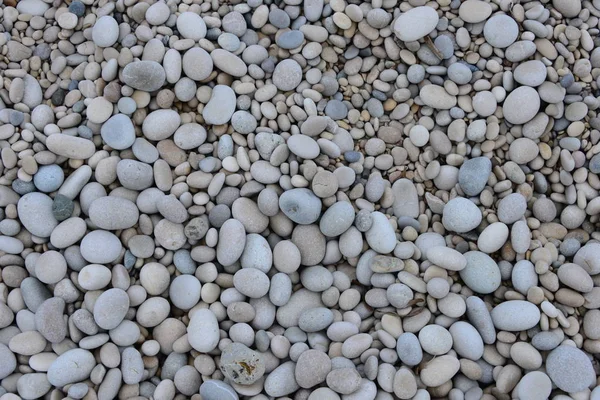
[
  {"x": 191, "y": 26},
  {"x": 416, "y": 23},
  {"x": 436, "y": 96},
  {"x": 160, "y": 124},
  {"x": 110, "y": 308},
  {"x": 232, "y": 240},
  {"x": 303, "y": 146},
  {"x": 229, "y": 63},
  {"x": 9, "y": 361},
  {"x": 406, "y": 199},
  {"x": 148, "y": 76},
  {"x": 409, "y": 349},
  {"x": 501, "y": 31},
  {"x": 530, "y": 73},
  {"x": 461, "y": 215},
  {"x": 100, "y": 247},
  {"x": 381, "y": 236},
  {"x": 70, "y": 146},
  {"x": 515, "y": 315},
  {"x": 570, "y": 369},
  {"x": 35, "y": 213},
  {"x": 118, "y": 132},
  {"x": 474, "y": 11},
  {"x": 447, "y": 258},
  {"x": 473, "y": 175},
  {"x": 49, "y": 320},
  {"x": 287, "y": 75},
  {"x": 290, "y": 39},
  {"x": 203, "y": 331},
  {"x": 197, "y": 63},
  {"x": 217, "y": 390},
  {"x": 241, "y": 364},
  {"x": 105, "y": 32},
  {"x": 588, "y": 257},
  {"x": 482, "y": 274},
  {"x": 439, "y": 370},
  {"x": 337, "y": 219},
  {"x": 221, "y": 106},
  {"x": 113, "y": 213},
  {"x": 521, "y": 105},
  {"x": 71, "y": 366},
  {"x": 300, "y": 205}
]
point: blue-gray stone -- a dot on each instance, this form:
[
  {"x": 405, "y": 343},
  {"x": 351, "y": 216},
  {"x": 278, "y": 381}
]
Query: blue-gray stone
[
  {"x": 183, "y": 262},
  {"x": 279, "y": 18},
  {"x": 62, "y": 207},
  {"x": 16, "y": 118},
  {"x": 457, "y": 113},
  {"x": 77, "y": 8},
  {"x": 74, "y": 84},
  {"x": 595, "y": 164},
  {"x": 49, "y": 178},
  {"x": 129, "y": 260},
  {"x": 85, "y": 132},
  {"x": 335, "y": 109},
  {"x": 78, "y": 107},
  {"x": 217, "y": 390},
  {"x": 567, "y": 80},
  {"x": 22, "y": 187},
  {"x": 352, "y": 156},
  {"x": 444, "y": 44},
  {"x": 42, "y": 51},
  {"x": 569, "y": 247},
  {"x": 375, "y": 108},
  {"x": 290, "y": 40},
  {"x": 473, "y": 175}
]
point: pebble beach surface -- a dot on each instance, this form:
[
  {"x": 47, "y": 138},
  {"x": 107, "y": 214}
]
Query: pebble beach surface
[{"x": 299, "y": 199}]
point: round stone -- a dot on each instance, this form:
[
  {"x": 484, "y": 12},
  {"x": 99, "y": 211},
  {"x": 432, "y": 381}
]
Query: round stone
[
  {"x": 105, "y": 32},
  {"x": 570, "y": 369},
  {"x": 521, "y": 105},
  {"x": 145, "y": 75},
  {"x": 501, "y": 31},
  {"x": 49, "y": 178},
  {"x": 481, "y": 274},
  {"x": 287, "y": 75},
  {"x": 118, "y": 132},
  {"x": 461, "y": 215},
  {"x": 416, "y": 23}
]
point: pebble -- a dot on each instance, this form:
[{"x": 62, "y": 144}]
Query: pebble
[
  {"x": 35, "y": 213},
  {"x": 217, "y": 390},
  {"x": 105, "y": 31},
  {"x": 500, "y": 31},
  {"x": 110, "y": 308},
  {"x": 416, "y": 23},
  {"x": 474, "y": 11},
  {"x": 146, "y": 75},
  {"x": 118, "y": 132},
  {"x": 515, "y": 315},
  {"x": 221, "y": 106},
  {"x": 71, "y": 366},
  {"x": 521, "y": 105},
  {"x": 241, "y": 364},
  {"x": 316, "y": 200},
  {"x": 461, "y": 215},
  {"x": 300, "y": 205},
  {"x": 473, "y": 175},
  {"x": 287, "y": 75},
  {"x": 203, "y": 331},
  {"x": 570, "y": 369},
  {"x": 191, "y": 26}
]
